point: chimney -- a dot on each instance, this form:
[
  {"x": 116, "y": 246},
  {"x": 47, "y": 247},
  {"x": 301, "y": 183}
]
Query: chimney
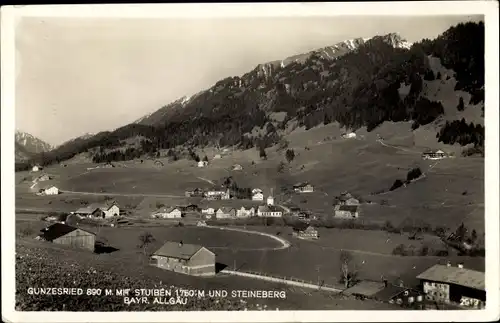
[{"x": 460, "y": 265}]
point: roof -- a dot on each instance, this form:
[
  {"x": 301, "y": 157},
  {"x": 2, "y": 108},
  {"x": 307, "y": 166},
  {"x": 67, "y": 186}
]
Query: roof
[
  {"x": 268, "y": 208},
  {"x": 300, "y": 226},
  {"x": 349, "y": 208},
  {"x": 454, "y": 275},
  {"x": 57, "y": 230},
  {"x": 389, "y": 292},
  {"x": 301, "y": 184},
  {"x": 225, "y": 209},
  {"x": 167, "y": 210},
  {"x": 45, "y": 187},
  {"x": 177, "y": 250},
  {"x": 365, "y": 288},
  {"x": 94, "y": 206}
]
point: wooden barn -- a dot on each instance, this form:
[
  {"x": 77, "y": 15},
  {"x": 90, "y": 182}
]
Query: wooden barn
[
  {"x": 184, "y": 258},
  {"x": 67, "y": 235}
]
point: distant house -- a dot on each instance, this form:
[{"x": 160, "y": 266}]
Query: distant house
[
  {"x": 184, "y": 258},
  {"x": 433, "y": 155},
  {"x": 305, "y": 231},
  {"x": 189, "y": 208},
  {"x": 201, "y": 224},
  {"x": 208, "y": 210},
  {"x": 349, "y": 135},
  {"x": 108, "y": 165},
  {"x": 48, "y": 190},
  {"x": 305, "y": 216},
  {"x": 256, "y": 190},
  {"x": 217, "y": 156},
  {"x": 237, "y": 167},
  {"x": 43, "y": 178},
  {"x": 347, "y": 199},
  {"x": 347, "y": 211},
  {"x": 225, "y": 213},
  {"x": 202, "y": 163},
  {"x": 269, "y": 211},
  {"x": 67, "y": 235},
  {"x": 450, "y": 284},
  {"x": 364, "y": 289},
  {"x": 168, "y": 213},
  {"x": 270, "y": 200},
  {"x": 217, "y": 195},
  {"x": 36, "y": 168},
  {"x": 242, "y": 212},
  {"x": 303, "y": 188},
  {"x": 100, "y": 210},
  {"x": 258, "y": 197},
  {"x": 197, "y": 192}
]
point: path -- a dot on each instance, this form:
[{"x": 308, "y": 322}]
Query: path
[
  {"x": 396, "y": 147},
  {"x": 207, "y": 180},
  {"x": 122, "y": 194},
  {"x": 284, "y": 243},
  {"x": 282, "y": 280}
]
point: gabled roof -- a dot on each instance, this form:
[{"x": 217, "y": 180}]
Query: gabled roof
[
  {"x": 365, "y": 288},
  {"x": 167, "y": 210},
  {"x": 177, "y": 250},
  {"x": 268, "y": 208},
  {"x": 300, "y": 226},
  {"x": 454, "y": 275},
  {"x": 47, "y": 186},
  {"x": 225, "y": 209},
  {"x": 91, "y": 208},
  {"x": 57, "y": 230},
  {"x": 301, "y": 184}
]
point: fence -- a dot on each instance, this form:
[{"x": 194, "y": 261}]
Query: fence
[{"x": 283, "y": 279}]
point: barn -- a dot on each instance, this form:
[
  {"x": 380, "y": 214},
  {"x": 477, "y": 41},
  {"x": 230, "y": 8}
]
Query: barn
[
  {"x": 184, "y": 258},
  {"x": 67, "y": 235},
  {"x": 48, "y": 190},
  {"x": 100, "y": 210}
]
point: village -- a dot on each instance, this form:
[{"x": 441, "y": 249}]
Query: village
[{"x": 439, "y": 285}]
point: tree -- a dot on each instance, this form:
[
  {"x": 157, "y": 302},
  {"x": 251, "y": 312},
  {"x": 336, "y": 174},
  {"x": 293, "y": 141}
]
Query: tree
[
  {"x": 473, "y": 236},
  {"x": 347, "y": 269},
  {"x": 281, "y": 167},
  {"x": 461, "y": 232},
  {"x": 205, "y": 158},
  {"x": 145, "y": 239},
  {"x": 290, "y": 155},
  {"x": 460, "y": 106},
  {"x": 262, "y": 153}
]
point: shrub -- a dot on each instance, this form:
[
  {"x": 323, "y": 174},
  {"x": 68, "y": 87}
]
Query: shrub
[
  {"x": 413, "y": 174},
  {"x": 397, "y": 184}
]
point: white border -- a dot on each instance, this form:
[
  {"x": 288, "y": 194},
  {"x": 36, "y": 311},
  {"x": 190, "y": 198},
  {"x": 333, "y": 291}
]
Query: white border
[{"x": 489, "y": 9}]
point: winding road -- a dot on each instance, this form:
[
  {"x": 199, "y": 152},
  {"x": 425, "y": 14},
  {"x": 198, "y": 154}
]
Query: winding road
[{"x": 284, "y": 243}]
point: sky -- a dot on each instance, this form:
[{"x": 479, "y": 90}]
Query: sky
[{"x": 85, "y": 75}]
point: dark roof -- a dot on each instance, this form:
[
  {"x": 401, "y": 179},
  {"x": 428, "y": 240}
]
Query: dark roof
[
  {"x": 58, "y": 230},
  {"x": 94, "y": 206},
  {"x": 300, "y": 226},
  {"x": 454, "y": 275},
  {"x": 301, "y": 184},
  {"x": 350, "y": 208},
  {"x": 365, "y": 288},
  {"x": 177, "y": 250},
  {"x": 389, "y": 292}
]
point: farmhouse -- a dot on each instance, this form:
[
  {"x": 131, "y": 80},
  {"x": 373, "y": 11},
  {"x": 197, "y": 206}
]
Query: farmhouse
[
  {"x": 242, "y": 212},
  {"x": 256, "y": 190},
  {"x": 67, "y": 235},
  {"x": 364, "y": 289},
  {"x": 270, "y": 200},
  {"x": 449, "y": 284},
  {"x": 237, "y": 167},
  {"x": 398, "y": 295},
  {"x": 269, "y": 211},
  {"x": 189, "y": 208},
  {"x": 433, "y": 155},
  {"x": 208, "y": 210},
  {"x": 347, "y": 199},
  {"x": 303, "y": 188},
  {"x": 217, "y": 195},
  {"x": 184, "y": 258},
  {"x": 225, "y": 213},
  {"x": 217, "y": 156},
  {"x": 168, "y": 213},
  {"x": 36, "y": 168},
  {"x": 197, "y": 192},
  {"x": 201, "y": 224},
  {"x": 349, "y": 135},
  {"x": 258, "y": 197},
  {"x": 108, "y": 165},
  {"x": 305, "y": 232},
  {"x": 43, "y": 178},
  {"x": 202, "y": 163},
  {"x": 100, "y": 210},
  {"x": 48, "y": 190},
  {"x": 347, "y": 211}
]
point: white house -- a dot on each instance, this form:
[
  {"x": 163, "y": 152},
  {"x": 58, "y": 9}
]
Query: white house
[
  {"x": 256, "y": 190},
  {"x": 208, "y": 210},
  {"x": 36, "y": 168},
  {"x": 242, "y": 212},
  {"x": 303, "y": 188},
  {"x": 218, "y": 156},
  {"x": 223, "y": 195},
  {"x": 48, "y": 190},
  {"x": 347, "y": 211},
  {"x": 349, "y": 135},
  {"x": 102, "y": 210},
  {"x": 237, "y": 167},
  {"x": 42, "y": 178},
  {"x": 225, "y": 213},
  {"x": 269, "y": 211},
  {"x": 202, "y": 163},
  {"x": 270, "y": 200},
  {"x": 168, "y": 213},
  {"x": 258, "y": 197},
  {"x": 434, "y": 155}
]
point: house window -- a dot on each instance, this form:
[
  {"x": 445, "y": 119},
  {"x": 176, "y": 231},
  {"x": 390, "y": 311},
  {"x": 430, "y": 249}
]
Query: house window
[{"x": 411, "y": 299}]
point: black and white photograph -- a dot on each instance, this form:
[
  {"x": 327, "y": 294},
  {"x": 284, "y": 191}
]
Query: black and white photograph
[{"x": 288, "y": 162}]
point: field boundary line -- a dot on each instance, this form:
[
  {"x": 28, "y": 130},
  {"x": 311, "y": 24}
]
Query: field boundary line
[
  {"x": 285, "y": 281},
  {"x": 284, "y": 243}
]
